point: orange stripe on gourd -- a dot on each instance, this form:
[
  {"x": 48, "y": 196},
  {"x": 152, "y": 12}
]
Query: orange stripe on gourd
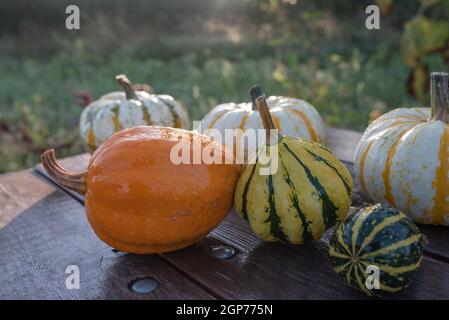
[
  {"x": 413, "y": 118},
  {"x": 244, "y": 121},
  {"x": 313, "y": 134},
  {"x": 91, "y": 138},
  {"x": 411, "y": 201},
  {"x": 366, "y": 151},
  {"x": 217, "y": 117},
  {"x": 115, "y": 119},
  {"x": 401, "y": 119},
  {"x": 420, "y": 111},
  {"x": 146, "y": 115},
  {"x": 441, "y": 182},
  {"x": 362, "y": 166},
  {"x": 386, "y": 174},
  {"x": 239, "y": 133}
]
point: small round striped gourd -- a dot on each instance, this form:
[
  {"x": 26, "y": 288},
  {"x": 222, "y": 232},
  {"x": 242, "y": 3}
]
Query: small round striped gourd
[
  {"x": 293, "y": 117},
  {"x": 300, "y": 197},
  {"x": 116, "y": 111},
  {"x": 377, "y": 236},
  {"x": 403, "y": 158}
]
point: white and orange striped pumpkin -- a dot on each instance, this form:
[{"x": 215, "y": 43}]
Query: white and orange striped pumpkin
[
  {"x": 292, "y": 117},
  {"x": 403, "y": 158},
  {"x": 116, "y": 111}
]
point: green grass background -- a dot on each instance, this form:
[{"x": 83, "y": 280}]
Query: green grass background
[{"x": 202, "y": 52}]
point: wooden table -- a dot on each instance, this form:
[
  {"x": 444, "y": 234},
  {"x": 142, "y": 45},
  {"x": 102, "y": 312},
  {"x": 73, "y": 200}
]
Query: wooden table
[{"x": 43, "y": 229}]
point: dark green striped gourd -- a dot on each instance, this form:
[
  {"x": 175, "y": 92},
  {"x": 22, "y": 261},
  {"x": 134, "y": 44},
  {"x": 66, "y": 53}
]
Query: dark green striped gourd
[
  {"x": 305, "y": 193},
  {"x": 379, "y": 236}
]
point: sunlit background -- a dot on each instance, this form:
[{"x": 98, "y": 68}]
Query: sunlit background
[{"x": 204, "y": 52}]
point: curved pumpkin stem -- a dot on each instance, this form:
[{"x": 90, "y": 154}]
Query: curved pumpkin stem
[
  {"x": 75, "y": 181},
  {"x": 127, "y": 86},
  {"x": 439, "y": 96},
  {"x": 261, "y": 103},
  {"x": 255, "y": 92}
]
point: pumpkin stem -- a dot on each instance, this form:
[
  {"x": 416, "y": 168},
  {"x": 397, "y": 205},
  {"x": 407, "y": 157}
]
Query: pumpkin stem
[
  {"x": 75, "y": 181},
  {"x": 439, "y": 96},
  {"x": 255, "y": 92},
  {"x": 264, "y": 111},
  {"x": 127, "y": 86}
]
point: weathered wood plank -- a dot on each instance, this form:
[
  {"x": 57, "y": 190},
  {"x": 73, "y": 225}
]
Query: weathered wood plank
[
  {"x": 438, "y": 238},
  {"x": 45, "y": 230},
  {"x": 342, "y": 143},
  {"x": 14, "y": 197},
  {"x": 261, "y": 270},
  {"x": 264, "y": 270}
]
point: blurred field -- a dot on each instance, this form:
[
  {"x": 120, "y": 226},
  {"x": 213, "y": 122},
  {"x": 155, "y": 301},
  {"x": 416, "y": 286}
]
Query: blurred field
[{"x": 201, "y": 51}]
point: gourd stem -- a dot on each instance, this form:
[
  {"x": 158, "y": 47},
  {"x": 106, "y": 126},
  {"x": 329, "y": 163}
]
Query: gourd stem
[
  {"x": 439, "y": 96},
  {"x": 255, "y": 92},
  {"x": 75, "y": 181},
  {"x": 127, "y": 86},
  {"x": 264, "y": 111}
]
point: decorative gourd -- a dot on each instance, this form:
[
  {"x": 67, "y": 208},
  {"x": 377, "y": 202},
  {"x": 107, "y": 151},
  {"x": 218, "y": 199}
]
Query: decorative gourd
[
  {"x": 138, "y": 201},
  {"x": 378, "y": 236},
  {"x": 403, "y": 158},
  {"x": 306, "y": 193},
  {"x": 293, "y": 117},
  {"x": 116, "y": 111}
]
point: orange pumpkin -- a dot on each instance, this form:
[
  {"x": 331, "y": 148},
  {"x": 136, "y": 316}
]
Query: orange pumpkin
[{"x": 138, "y": 201}]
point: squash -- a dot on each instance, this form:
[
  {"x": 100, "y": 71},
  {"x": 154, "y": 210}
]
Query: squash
[
  {"x": 378, "y": 236},
  {"x": 403, "y": 158},
  {"x": 120, "y": 110},
  {"x": 293, "y": 117},
  {"x": 137, "y": 200},
  {"x": 292, "y": 189}
]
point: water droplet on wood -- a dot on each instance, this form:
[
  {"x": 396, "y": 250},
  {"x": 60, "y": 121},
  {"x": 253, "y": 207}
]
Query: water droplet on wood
[
  {"x": 143, "y": 285},
  {"x": 222, "y": 252}
]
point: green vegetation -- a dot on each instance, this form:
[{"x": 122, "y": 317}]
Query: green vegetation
[{"x": 202, "y": 52}]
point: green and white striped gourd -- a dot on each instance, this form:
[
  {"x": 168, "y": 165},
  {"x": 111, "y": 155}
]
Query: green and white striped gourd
[
  {"x": 308, "y": 193},
  {"x": 379, "y": 236}
]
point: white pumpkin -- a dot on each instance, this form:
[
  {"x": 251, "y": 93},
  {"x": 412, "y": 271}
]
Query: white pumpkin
[
  {"x": 292, "y": 117},
  {"x": 403, "y": 158},
  {"x": 120, "y": 110}
]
